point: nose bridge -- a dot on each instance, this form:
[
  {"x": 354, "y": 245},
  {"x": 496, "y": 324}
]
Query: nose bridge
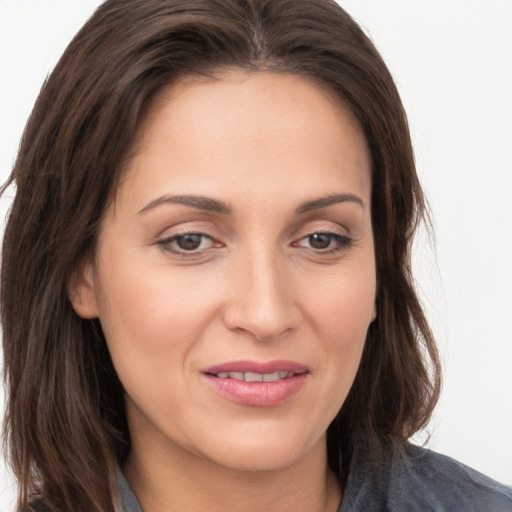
[{"x": 262, "y": 304}]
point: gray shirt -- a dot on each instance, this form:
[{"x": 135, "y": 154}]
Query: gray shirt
[{"x": 424, "y": 481}]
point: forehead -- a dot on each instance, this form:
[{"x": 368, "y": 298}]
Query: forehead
[{"x": 247, "y": 127}]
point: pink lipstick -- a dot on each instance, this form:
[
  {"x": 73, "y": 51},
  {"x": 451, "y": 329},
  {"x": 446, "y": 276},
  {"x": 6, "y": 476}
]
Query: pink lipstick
[{"x": 257, "y": 384}]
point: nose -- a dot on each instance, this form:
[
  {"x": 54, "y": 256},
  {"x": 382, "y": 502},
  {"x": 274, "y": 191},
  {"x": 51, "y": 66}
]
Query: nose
[{"x": 262, "y": 301}]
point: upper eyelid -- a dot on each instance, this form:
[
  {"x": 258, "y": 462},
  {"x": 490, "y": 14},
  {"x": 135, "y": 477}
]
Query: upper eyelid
[
  {"x": 334, "y": 234},
  {"x": 318, "y": 229},
  {"x": 183, "y": 228},
  {"x": 171, "y": 238},
  {"x": 164, "y": 245},
  {"x": 207, "y": 233},
  {"x": 321, "y": 224},
  {"x": 343, "y": 242},
  {"x": 184, "y": 233},
  {"x": 211, "y": 229}
]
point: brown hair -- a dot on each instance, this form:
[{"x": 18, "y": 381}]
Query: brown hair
[{"x": 65, "y": 425}]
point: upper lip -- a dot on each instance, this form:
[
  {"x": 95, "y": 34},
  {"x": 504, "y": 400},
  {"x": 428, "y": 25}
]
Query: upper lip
[{"x": 257, "y": 367}]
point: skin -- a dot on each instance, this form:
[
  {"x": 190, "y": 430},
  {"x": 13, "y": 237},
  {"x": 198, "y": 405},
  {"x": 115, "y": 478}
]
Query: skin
[{"x": 256, "y": 288}]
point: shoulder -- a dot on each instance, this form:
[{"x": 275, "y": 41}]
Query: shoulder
[{"x": 426, "y": 480}]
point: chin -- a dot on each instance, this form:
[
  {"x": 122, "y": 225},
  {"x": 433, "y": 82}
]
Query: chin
[
  {"x": 258, "y": 460},
  {"x": 262, "y": 451}
]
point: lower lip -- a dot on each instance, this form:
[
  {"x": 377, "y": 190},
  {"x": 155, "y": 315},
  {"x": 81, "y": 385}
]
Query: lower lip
[{"x": 257, "y": 394}]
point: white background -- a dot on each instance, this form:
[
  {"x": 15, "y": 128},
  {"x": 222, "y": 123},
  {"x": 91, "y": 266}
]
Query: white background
[{"x": 452, "y": 60}]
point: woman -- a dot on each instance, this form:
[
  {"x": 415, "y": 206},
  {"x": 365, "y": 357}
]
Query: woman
[{"x": 181, "y": 334}]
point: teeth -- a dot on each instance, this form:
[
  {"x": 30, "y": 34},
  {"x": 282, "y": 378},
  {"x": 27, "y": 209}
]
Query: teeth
[
  {"x": 270, "y": 377},
  {"x": 255, "y": 377}
]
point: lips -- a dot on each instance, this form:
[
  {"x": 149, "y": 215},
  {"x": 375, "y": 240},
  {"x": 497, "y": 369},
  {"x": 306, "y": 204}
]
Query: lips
[
  {"x": 257, "y": 384},
  {"x": 255, "y": 377}
]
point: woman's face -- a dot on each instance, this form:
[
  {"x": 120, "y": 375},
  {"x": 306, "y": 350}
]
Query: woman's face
[{"x": 234, "y": 276}]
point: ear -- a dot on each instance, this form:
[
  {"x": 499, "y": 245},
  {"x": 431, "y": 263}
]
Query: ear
[{"x": 82, "y": 292}]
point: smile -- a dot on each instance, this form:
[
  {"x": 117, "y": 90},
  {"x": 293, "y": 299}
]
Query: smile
[
  {"x": 256, "y": 377},
  {"x": 257, "y": 384}
]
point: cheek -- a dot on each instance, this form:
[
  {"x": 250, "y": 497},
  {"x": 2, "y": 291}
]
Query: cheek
[
  {"x": 155, "y": 318},
  {"x": 340, "y": 314},
  {"x": 343, "y": 308},
  {"x": 151, "y": 324}
]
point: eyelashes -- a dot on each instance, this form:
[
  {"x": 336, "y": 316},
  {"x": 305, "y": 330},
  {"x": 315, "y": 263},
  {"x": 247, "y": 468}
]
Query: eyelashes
[
  {"x": 188, "y": 242},
  {"x": 197, "y": 244},
  {"x": 324, "y": 242}
]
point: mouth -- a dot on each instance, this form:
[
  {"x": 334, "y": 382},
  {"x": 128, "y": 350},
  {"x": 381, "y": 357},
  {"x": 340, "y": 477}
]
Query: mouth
[
  {"x": 254, "y": 376},
  {"x": 257, "y": 384}
]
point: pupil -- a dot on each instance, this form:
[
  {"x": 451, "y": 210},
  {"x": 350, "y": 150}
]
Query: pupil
[
  {"x": 189, "y": 242},
  {"x": 320, "y": 240}
]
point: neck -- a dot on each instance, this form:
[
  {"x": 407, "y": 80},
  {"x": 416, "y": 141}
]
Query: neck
[{"x": 161, "y": 483}]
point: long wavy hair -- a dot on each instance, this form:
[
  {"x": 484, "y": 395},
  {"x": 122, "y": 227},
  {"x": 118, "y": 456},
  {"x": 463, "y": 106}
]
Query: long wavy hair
[{"x": 65, "y": 426}]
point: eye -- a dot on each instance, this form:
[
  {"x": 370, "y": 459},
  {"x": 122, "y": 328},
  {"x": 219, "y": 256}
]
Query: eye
[
  {"x": 324, "y": 242},
  {"x": 186, "y": 243}
]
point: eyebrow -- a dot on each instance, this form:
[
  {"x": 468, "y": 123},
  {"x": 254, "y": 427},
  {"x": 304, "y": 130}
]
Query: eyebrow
[
  {"x": 198, "y": 202},
  {"x": 324, "y": 202},
  {"x": 213, "y": 205}
]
